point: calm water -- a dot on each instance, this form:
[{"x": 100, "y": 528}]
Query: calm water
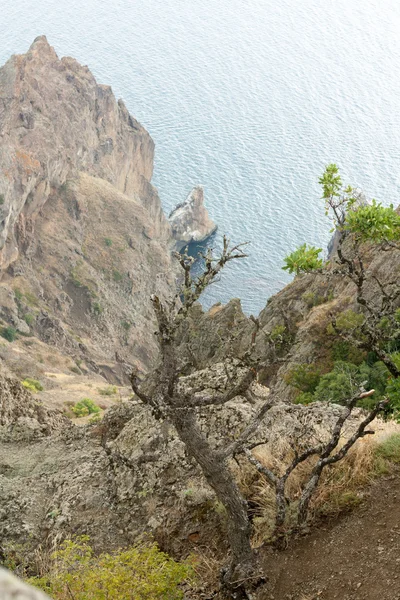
[{"x": 250, "y": 98}]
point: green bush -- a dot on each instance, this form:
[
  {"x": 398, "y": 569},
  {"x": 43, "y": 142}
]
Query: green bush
[
  {"x": 374, "y": 222},
  {"x": 8, "y": 333},
  {"x": 29, "y": 318},
  {"x": 85, "y": 407},
  {"x": 303, "y": 260},
  {"x": 108, "y": 242},
  {"x": 2, "y": 199},
  {"x": 141, "y": 572},
  {"x": 304, "y": 377},
  {"x": 33, "y": 385}
]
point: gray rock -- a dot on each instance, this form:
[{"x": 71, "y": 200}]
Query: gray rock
[{"x": 190, "y": 221}]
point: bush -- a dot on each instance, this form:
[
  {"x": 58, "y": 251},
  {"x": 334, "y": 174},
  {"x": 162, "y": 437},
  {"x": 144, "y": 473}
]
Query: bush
[
  {"x": 108, "y": 242},
  {"x": 29, "y": 318},
  {"x": 2, "y": 199},
  {"x": 303, "y": 260},
  {"x": 304, "y": 377},
  {"x": 9, "y": 333},
  {"x": 141, "y": 572},
  {"x": 33, "y": 385},
  {"x": 374, "y": 222},
  {"x": 85, "y": 407}
]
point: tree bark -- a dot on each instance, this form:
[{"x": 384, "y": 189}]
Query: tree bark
[{"x": 219, "y": 476}]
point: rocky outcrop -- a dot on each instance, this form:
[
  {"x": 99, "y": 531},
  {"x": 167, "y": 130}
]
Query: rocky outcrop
[
  {"x": 190, "y": 221},
  {"x": 83, "y": 239},
  {"x": 21, "y": 415},
  {"x": 55, "y": 121}
]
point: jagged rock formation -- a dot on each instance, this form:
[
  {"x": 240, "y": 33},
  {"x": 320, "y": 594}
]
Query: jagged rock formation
[
  {"x": 19, "y": 411},
  {"x": 56, "y": 121},
  {"x": 190, "y": 221},
  {"x": 83, "y": 239},
  {"x": 130, "y": 473}
]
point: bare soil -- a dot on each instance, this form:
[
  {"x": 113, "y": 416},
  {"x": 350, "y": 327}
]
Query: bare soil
[{"x": 355, "y": 558}]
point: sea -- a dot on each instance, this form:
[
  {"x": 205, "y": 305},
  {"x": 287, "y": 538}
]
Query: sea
[{"x": 249, "y": 98}]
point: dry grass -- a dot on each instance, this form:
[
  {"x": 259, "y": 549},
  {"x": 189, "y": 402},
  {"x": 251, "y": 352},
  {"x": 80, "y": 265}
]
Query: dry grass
[{"x": 340, "y": 488}]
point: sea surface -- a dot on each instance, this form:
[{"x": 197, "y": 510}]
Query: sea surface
[{"x": 250, "y": 98}]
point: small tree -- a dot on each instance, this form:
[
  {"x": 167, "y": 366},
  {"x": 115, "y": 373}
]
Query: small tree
[{"x": 168, "y": 399}]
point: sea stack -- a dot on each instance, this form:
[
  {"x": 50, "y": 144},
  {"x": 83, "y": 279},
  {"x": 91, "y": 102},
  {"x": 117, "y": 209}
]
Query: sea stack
[{"x": 190, "y": 221}]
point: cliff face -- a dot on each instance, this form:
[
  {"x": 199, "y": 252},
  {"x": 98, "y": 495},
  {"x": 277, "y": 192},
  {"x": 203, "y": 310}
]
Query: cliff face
[
  {"x": 83, "y": 239},
  {"x": 55, "y": 121}
]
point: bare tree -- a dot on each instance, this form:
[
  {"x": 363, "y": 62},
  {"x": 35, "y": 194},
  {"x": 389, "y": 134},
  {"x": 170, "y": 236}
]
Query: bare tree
[{"x": 169, "y": 400}]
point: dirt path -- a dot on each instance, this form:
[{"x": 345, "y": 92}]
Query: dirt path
[{"x": 358, "y": 558}]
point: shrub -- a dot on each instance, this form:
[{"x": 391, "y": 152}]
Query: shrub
[
  {"x": 85, "y": 407},
  {"x": 2, "y": 199},
  {"x": 29, "y": 318},
  {"x": 9, "y": 333},
  {"x": 33, "y": 385},
  {"x": 303, "y": 260},
  {"x": 109, "y": 390},
  {"x": 374, "y": 222},
  {"x": 304, "y": 377},
  {"x": 108, "y": 242},
  {"x": 97, "y": 309},
  {"x": 141, "y": 572}
]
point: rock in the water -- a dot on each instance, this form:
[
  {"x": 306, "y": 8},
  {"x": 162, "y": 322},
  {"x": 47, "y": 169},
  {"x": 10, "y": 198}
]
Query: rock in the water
[{"x": 190, "y": 221}]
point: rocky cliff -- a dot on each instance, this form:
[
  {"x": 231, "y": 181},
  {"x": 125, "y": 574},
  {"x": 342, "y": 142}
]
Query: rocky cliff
[{"x": 83, "y": 239}]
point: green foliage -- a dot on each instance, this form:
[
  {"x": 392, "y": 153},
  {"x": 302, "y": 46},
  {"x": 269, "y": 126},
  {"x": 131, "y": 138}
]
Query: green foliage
[
  {"x": 97, "y": 309},
  {"x": 29, "y": 318},
  {"x": 2, "y": 199},
  {"x": 8, "y": 333},
  {"x": 117, "y": 276},
  {"x": 33, "y": 385},
  {"x": 393, "y": 393},
  {"x": 345, "y": 351},
  {"x": 373, "y": 222},
  {"x": 141, "y": 572},
  {"x": 304, "y": 377},
  {"x": 85, "y": 407},
  {"x": 331, "y": 182},
  {"x": 312, "y": 299},
  {"x": 108, "y": 242},
  {"x": 347, "y": 321},
  {"x": 303, "y": 260},
  {"x": 340, "y": 384},
  {"x": 18, "y": 294},
  {"x": 389, "y": 449},
  {"x": 304, "y": 398},
  {"x": 109, "y": 390}
]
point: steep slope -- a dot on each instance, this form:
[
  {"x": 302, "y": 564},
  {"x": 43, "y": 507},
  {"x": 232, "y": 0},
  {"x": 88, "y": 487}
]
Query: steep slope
[{"x": 83, "y": 239}]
